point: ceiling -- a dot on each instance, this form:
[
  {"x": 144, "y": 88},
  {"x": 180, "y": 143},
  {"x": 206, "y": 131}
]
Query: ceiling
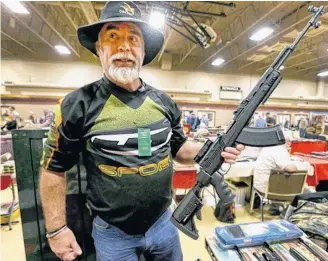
[{"x": 33, "y": 36}]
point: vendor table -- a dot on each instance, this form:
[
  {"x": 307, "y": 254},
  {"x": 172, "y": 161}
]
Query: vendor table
[
  {"x": 184, "y": 177},
  {"x": 307, "y": 146},
  {"x": 240, "y": 170},
  {"x": 320, "y": 170},
  {"x": 217, "y": 254}
]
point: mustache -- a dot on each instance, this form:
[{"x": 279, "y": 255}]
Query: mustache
[{"x": 123, "y": 56}]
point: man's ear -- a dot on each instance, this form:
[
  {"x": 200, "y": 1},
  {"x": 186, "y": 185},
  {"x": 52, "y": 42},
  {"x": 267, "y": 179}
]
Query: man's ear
[{"x": 98, "y": 47}]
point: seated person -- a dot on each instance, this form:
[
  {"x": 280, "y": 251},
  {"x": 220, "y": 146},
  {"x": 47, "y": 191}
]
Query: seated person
[
  {"x": 275, "y": 157},
  {"x": 202, "y": 132}
]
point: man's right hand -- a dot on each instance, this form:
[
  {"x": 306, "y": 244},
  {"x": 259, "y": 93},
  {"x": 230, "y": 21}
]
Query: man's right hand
[{"x": 64, "y": 245}]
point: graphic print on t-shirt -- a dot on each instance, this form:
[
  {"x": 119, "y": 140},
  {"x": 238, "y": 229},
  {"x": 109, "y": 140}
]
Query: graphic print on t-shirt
[{"x": 115, "y": 131}]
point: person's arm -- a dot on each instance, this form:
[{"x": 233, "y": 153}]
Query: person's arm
[
  {"x": 189, "y": 150},
  {"x": 53, "y": 197},
  {"x": 283, "y": 160},
  {"x": 61, "y": 153},
  {"x": 45, "y": 124},
  {"x": 290, "y": 167}
]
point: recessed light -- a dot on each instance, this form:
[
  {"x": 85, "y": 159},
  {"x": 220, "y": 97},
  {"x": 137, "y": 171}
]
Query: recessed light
[
  {"x": 157, "y": 19},
  {"x": 62, "y": 49},
  {"x": 261, "y": 34},
  {"x": 16, "y": 7},
  {"x": 323, "y": 74},
  {"x": 218, "y": 62}
]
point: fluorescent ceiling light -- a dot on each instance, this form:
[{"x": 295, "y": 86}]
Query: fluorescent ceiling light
[
  {"x": 157, "y": 19},
  {"x": 281, "y": 67},
  {"x": 16, "y": 7},
  {"x": 261, "y": 34},
  {"x": 323, "y": 74},
  {"x": 218, "y": 62},
  {"x": 62, "y": 49}
]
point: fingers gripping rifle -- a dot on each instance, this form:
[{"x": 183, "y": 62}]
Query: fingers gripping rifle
[{"x": 209, "y": 158}]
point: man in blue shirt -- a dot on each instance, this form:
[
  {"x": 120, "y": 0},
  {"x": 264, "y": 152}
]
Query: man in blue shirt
[{"x": 260, "y": 122}]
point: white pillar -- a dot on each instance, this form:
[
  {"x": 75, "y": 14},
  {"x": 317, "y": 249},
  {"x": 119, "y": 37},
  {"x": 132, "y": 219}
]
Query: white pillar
[{"x": 320, "y": 87}]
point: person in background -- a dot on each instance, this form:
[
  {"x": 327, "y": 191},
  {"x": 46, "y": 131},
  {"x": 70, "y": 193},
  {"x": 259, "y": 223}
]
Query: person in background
[
  {"x": 13, "y": 119},
  {"x": 32, "y": 117},
  {"x": 269, "y": 119},
  {"x": 204, "y": 120},
  {"x": 48, "y": 118},
  {"x": 274, "y": 117},
  {"x": 251, "y": 122},
  {"x": 272, "y": 158},
  {"x": 286, "y": 123},
  {"x": 13, "y": 114},
  {"x": 197, "y": 123},
  {"x": 202, "y": 132},
  {"x": 188, "y": 117},
  {"x": 193, "y": 121},
  {"x": 303, "y": 124},
  {"x": 5, "y": 113},
  {"x": 260, "y": 122}
]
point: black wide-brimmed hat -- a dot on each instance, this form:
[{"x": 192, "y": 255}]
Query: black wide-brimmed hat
[{"x": 122, "y": 12}]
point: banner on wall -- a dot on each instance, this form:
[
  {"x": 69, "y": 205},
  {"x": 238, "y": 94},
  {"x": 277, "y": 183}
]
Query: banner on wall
[{"x": 231, "y": 93}]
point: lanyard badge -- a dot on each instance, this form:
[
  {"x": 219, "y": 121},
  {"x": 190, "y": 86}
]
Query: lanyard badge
[{"x": 144, "y": 142}]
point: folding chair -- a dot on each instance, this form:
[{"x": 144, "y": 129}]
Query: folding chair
[{"x": 282, "y": 188}]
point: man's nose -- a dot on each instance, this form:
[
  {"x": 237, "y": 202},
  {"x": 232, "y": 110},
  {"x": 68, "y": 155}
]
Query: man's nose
[{"x": 124, "y": 46}]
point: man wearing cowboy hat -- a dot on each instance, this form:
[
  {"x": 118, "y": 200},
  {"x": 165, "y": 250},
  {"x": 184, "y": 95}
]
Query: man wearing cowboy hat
[{"x": 129, "y": 133}]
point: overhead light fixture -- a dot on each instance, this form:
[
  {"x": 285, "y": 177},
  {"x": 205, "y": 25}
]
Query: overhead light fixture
[
  {"x": 323, "y": 74},
  {"x": 157, "y": 19},
  {"x": 62, "y": 49},
  {"x": 16, "y": 7},
  {"x": 281, "y": 67},
  {"x": 261, "y": 34},
  {"x": 218, "y": 62}
]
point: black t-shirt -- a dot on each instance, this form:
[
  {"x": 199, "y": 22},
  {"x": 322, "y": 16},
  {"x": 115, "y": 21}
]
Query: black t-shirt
[{"x": 102, "y": 120}]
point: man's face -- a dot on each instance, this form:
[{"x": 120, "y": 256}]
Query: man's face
[{"x": 120, "y": 48}]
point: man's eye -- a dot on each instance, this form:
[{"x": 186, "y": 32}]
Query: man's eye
[
  {"x": 112, "y": 36},
  {"x": 132, "y": 38}
]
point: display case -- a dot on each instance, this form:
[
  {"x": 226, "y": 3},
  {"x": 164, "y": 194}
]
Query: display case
[{"x": 28, "y": 147}]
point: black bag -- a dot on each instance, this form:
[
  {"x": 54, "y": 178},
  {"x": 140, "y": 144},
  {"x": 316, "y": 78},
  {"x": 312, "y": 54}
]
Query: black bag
[{"x": 225, "y": 212}]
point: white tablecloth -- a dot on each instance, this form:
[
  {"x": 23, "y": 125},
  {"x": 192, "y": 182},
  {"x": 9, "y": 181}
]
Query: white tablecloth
[{"x": 239, "y": 169}]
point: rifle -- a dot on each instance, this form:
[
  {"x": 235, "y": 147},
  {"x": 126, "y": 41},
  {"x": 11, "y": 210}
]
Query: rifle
[{"x": 209, "y": 157}]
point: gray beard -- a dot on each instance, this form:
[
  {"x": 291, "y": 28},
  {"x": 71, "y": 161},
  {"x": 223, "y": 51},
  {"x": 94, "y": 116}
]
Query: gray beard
[{"x": 123, "y": 75}]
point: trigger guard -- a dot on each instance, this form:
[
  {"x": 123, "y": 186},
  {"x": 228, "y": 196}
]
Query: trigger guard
[{"x": 261, "y": 137}]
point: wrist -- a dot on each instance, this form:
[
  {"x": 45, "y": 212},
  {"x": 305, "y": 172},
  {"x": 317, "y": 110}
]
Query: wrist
[{"x": 55, "y": 232}]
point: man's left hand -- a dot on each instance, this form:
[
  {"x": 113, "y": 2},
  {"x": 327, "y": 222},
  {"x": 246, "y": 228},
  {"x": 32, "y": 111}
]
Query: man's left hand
[{"x": 231, "y": 154}]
